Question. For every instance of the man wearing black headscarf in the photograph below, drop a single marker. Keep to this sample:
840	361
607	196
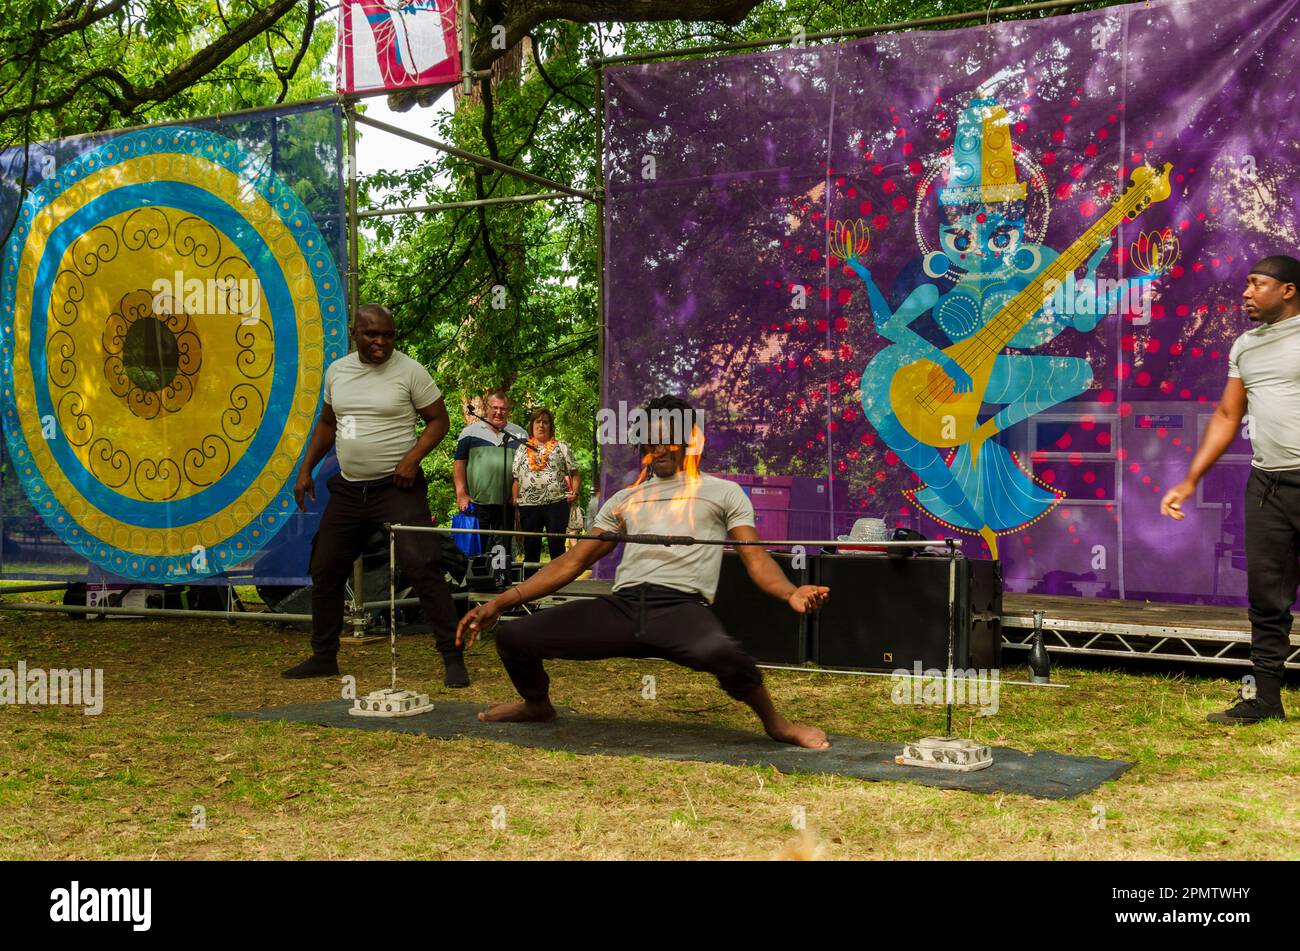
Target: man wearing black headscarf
1264	380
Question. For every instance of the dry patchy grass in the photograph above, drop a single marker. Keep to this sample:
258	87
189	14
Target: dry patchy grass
124	784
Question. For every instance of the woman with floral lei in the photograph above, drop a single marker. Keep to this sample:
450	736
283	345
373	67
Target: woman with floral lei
545	485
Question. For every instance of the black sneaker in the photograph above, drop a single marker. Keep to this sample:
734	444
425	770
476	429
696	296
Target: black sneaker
1249	711
313	667
455	673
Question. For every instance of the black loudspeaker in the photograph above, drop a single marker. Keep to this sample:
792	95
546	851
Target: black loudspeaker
889	613
482	577
770	631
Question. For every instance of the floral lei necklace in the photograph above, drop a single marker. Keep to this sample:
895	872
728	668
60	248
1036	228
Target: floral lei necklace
537	461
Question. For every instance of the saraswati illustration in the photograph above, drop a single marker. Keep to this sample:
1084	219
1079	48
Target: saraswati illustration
988	284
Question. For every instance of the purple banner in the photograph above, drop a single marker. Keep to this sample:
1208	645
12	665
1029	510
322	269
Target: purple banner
979	282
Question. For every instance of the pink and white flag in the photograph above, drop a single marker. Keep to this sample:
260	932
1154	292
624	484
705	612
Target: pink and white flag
397	44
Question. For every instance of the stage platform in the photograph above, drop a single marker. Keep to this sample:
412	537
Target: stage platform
1108	627
1095	627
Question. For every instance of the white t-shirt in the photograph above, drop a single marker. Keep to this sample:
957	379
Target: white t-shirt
702	508
376	407
1267	361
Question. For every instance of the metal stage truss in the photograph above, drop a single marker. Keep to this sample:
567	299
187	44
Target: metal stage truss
1105	627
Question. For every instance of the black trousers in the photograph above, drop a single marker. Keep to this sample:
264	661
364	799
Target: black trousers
354	511
1272	572
646	621
552	518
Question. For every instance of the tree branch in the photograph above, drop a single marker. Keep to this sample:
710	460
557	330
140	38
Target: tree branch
519	17
130	97
302	50
541	71
63	24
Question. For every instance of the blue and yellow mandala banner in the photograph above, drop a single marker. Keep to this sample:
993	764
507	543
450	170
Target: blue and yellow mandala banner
168	307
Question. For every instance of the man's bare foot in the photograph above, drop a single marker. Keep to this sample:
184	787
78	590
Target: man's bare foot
524	712
781	729
798	734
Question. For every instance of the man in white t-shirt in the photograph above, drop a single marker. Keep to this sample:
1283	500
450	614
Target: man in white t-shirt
373	399
659	607
1264	379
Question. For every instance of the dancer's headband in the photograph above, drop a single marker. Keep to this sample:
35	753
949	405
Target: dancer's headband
1280	267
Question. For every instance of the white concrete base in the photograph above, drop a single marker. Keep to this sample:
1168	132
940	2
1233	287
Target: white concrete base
943	752
391	703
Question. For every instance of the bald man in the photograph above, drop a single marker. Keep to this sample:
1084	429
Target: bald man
373	399
1264	380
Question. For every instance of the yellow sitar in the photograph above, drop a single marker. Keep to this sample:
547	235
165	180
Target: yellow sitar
923	395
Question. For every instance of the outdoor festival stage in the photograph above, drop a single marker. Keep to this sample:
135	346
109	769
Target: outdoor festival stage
1095	627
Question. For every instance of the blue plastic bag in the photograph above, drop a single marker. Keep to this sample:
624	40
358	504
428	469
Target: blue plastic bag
471	545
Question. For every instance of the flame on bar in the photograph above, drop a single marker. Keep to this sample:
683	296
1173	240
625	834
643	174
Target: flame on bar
681	505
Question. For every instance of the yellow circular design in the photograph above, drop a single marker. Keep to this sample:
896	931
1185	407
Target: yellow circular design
234	191
152	363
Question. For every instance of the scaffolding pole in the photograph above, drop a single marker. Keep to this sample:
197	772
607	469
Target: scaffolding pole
466	63
897	26
476	159
475	203
600	269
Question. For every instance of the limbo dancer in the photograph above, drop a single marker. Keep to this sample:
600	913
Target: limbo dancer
659	606
1264	379
373	399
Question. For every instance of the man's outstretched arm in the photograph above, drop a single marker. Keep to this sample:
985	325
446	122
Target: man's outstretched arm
554	576
767	574
1220	432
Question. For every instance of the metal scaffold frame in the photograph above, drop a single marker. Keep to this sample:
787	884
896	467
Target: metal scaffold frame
1130	640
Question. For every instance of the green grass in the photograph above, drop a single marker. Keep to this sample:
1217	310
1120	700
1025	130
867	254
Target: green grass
126	784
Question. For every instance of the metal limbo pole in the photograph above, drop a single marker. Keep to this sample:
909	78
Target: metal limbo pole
392	602
952	634
947	752
391	702
357	615
619	538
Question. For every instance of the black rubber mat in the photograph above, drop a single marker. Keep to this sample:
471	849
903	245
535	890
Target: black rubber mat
1045	775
